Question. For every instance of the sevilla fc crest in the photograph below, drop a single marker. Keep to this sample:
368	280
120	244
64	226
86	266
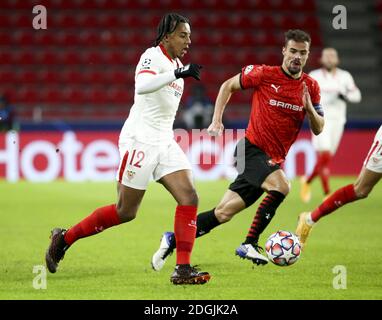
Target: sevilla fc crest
130	174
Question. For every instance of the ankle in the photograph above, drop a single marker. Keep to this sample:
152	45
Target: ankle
309	220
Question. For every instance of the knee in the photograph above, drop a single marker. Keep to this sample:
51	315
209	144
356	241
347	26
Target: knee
361	192
281	185
223	214
284	188
126	214
190	198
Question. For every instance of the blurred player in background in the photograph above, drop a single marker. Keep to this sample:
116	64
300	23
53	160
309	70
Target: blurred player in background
337	88
7	115
148	149
198	110
369	176
282	96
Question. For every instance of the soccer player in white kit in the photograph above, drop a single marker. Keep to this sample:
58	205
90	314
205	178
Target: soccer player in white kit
369	176
337	88
148	150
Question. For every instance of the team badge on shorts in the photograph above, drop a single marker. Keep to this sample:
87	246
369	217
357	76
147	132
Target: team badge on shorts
130	174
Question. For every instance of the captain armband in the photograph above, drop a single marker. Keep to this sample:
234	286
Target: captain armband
319	109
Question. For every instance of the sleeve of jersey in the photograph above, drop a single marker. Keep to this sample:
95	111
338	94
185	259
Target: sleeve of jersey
148	77
316	99
353	94
251	76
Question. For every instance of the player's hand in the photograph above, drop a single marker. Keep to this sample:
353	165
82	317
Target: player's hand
215	129
307	102
190	70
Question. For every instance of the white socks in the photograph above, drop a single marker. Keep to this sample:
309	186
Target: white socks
309	220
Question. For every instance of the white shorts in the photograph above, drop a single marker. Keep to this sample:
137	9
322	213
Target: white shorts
140	162
329	138
373	161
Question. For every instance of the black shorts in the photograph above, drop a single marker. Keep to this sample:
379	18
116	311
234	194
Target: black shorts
254	166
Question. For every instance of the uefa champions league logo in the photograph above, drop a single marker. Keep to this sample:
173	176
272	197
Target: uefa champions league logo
248	69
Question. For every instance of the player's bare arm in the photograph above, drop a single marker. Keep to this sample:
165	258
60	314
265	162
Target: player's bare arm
316	122
226	89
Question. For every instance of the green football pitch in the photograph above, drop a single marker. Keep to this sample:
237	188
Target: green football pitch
343	259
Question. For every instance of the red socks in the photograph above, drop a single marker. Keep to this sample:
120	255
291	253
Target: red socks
336	200
322	169
106	217
185	231
99	220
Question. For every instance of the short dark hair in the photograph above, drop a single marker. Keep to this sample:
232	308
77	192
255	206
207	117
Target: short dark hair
297	35
168	24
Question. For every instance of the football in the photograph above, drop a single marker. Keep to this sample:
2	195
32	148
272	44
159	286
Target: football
283	248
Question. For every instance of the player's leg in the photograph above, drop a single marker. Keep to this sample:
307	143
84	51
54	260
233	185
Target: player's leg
323	158
99	220
369	176
181	187
324	171
366	182
261	173
174	172
322	144
231	204
239	196
352	192
277	187
131	189
335	132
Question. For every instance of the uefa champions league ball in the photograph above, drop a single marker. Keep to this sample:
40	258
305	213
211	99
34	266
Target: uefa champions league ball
283	248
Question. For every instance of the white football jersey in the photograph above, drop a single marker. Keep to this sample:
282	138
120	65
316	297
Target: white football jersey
331	85
152	115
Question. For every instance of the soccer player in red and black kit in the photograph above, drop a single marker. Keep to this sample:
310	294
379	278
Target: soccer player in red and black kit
282	96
